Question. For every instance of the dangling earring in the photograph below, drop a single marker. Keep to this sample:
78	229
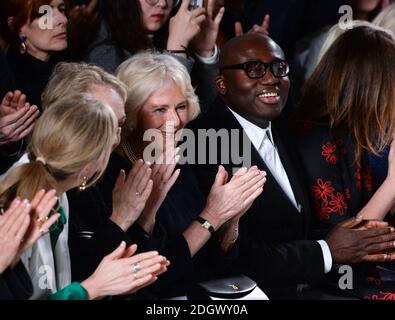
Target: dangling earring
84	182
23	47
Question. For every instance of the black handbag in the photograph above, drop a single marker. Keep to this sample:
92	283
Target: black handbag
227	288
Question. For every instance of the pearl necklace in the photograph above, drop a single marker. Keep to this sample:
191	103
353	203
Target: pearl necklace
127	149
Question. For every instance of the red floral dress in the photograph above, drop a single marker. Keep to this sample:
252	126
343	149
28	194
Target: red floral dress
339	189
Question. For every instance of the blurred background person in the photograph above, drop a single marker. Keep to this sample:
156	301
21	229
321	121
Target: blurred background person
308	49
127	27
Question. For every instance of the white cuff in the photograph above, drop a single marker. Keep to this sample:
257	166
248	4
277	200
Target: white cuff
326	252
210	60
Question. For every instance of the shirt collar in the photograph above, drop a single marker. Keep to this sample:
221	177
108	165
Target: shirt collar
254	133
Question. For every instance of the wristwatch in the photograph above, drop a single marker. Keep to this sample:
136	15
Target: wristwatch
206	224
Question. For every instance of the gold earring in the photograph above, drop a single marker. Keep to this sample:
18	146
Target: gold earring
84	182
23	47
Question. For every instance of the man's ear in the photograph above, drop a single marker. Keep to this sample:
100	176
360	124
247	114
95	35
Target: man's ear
220	84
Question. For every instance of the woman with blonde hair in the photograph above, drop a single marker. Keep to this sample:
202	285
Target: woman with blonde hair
177	219
70	147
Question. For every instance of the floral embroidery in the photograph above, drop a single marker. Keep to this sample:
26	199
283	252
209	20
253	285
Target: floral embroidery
347	193
338	203
323	190
323	211
326	201
329	152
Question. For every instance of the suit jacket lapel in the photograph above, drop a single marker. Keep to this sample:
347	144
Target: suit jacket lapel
293	177
225	119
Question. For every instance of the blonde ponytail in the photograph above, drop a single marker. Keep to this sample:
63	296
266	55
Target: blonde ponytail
74	132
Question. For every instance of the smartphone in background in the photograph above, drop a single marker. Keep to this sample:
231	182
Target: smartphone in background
193	4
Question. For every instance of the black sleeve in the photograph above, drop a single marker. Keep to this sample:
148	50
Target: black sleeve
89	247
265	261
281	263
7	81
15	284
203	77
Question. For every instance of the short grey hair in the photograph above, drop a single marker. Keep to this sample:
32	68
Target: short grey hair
70	78
147	72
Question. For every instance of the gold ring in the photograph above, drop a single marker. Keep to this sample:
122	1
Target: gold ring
41	220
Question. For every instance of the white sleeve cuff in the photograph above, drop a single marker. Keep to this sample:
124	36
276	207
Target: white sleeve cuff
210	60
326	252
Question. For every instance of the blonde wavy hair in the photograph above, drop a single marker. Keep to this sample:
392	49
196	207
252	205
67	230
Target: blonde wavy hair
70	78
74	132
147	72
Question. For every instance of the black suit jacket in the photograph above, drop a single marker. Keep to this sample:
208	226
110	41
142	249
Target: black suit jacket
274	249
15	284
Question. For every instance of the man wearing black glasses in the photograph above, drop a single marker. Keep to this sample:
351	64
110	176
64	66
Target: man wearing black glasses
272	236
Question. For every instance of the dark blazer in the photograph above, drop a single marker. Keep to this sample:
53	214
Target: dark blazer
31	75
15	284
7	83
274	249
92	235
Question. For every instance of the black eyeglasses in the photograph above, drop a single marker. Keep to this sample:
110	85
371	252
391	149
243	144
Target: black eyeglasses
257	69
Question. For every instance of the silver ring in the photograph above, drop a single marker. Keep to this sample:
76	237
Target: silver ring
138	194
136	268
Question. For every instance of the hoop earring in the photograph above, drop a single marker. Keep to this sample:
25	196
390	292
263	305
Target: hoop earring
84	182
23	47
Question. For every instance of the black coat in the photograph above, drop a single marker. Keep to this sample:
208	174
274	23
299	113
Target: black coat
274	246
7	83
92	235
31	75
15	284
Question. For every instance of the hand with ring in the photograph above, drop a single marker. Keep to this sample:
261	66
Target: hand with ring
13	226
130	194
20	226
122	272
41	207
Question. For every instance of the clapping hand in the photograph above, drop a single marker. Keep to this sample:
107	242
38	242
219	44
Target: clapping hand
17	117
130	194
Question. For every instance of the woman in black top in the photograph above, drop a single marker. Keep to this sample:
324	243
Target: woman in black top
347	117
36	39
